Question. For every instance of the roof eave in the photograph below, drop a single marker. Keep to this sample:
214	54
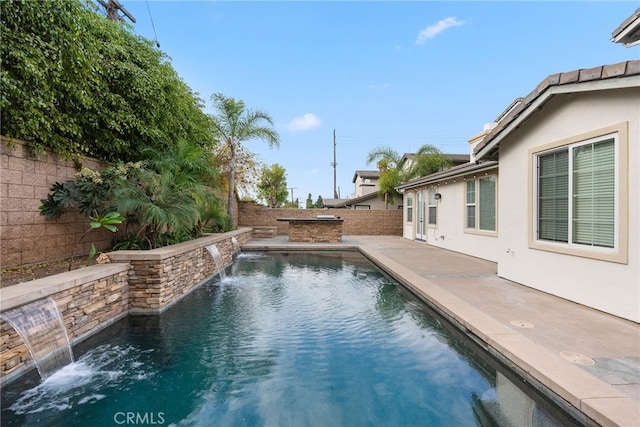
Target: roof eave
440	176
619	83
629	31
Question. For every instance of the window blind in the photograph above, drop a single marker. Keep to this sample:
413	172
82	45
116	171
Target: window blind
553	196
487	206
593	198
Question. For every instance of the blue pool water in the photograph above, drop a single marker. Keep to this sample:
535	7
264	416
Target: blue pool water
295	339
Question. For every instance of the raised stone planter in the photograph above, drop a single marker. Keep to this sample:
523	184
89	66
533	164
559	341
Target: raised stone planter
160	277
134	282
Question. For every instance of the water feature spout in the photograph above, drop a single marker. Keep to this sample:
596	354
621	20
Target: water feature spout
217	258
40	326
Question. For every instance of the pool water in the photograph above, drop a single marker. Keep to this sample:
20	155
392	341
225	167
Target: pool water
286	339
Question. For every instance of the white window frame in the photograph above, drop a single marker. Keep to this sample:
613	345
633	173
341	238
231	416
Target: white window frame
476	229
432	206
619	252
470	204
409	212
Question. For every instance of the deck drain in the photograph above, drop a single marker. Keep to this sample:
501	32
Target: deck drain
577	358
522	324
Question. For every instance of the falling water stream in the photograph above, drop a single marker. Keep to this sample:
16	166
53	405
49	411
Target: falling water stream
236	245
40	326
217	258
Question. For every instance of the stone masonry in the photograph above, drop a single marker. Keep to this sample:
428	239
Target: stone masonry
315	231
160	277
356	222
85	309
134	282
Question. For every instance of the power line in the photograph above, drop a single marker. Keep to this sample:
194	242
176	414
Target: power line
153	26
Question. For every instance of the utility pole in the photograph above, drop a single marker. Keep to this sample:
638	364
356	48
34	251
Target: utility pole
292	188
112	7
334	164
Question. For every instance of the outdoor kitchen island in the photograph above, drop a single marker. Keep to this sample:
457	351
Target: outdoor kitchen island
323	228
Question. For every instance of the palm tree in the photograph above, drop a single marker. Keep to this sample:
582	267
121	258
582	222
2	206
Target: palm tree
233	125
394	171
171	196
389	163
427	160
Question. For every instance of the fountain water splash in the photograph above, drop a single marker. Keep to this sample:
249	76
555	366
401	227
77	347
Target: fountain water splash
217	258
40	326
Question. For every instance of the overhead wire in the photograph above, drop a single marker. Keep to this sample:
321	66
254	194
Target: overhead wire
153	26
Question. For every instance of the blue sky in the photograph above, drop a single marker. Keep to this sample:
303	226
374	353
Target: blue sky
394	74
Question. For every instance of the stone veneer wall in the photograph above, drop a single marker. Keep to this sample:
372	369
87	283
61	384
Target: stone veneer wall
27	236
356	222
91	298
315	231
159	277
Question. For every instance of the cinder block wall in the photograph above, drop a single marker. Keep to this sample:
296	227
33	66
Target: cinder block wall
356	222
26	236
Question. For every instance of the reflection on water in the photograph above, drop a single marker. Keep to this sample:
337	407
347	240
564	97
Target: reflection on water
294	339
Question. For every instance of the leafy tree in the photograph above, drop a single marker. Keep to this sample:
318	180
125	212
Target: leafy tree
394	171
272	185
319	203
81	84
309	203
247	169
292	204
233	124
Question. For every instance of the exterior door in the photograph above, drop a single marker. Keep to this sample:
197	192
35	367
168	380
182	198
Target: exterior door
421	217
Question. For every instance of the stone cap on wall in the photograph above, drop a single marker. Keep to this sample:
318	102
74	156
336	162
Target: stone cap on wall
173	250
24	293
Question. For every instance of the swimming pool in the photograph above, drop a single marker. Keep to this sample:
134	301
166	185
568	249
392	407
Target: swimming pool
286	339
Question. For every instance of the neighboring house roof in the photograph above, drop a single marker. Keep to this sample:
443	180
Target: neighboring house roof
344	203
454	172
456	159
358	200
366	174
334	203
620	75
628	33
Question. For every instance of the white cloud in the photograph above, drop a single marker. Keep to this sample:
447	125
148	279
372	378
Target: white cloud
380	86
433	30
305	122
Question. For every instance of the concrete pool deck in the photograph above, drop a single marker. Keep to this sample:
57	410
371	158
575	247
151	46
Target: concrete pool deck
586	357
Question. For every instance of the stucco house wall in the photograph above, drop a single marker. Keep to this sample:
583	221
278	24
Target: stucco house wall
450	232
610	286
365	182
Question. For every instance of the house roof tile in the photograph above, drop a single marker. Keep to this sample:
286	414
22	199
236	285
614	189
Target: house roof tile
628	32
520	105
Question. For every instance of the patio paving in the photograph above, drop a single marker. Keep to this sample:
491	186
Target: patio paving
589	358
